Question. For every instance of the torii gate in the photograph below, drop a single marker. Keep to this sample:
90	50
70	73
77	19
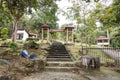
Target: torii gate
67	30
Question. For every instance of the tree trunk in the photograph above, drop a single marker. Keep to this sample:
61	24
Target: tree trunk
14	34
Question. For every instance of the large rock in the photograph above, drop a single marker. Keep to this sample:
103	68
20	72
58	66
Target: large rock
37	65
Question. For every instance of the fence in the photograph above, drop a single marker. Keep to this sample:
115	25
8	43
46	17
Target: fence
107	55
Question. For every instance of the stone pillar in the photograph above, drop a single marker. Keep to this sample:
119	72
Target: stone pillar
48	31
42	35
67	35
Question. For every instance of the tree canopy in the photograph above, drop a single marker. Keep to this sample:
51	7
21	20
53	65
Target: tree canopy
16	9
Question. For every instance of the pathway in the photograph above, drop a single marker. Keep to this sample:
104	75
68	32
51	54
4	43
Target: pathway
55	76
59	59
56	69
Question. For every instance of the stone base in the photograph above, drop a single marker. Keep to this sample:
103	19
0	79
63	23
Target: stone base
90	62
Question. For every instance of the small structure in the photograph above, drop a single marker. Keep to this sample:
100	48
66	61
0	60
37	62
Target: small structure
45	29
69	29
32	35
103	41
90	62
23	34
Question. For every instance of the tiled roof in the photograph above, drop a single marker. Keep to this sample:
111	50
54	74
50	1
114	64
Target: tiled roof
102	37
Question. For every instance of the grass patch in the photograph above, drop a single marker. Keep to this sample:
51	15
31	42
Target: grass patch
76	51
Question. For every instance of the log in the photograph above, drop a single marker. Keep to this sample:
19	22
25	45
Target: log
90	62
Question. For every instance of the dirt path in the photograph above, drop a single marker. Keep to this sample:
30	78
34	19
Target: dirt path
103	74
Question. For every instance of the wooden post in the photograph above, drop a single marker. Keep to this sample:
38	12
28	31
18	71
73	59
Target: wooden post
48	35
42	35
67	36
72	37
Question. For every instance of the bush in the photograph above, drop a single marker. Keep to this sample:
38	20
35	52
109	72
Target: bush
13	46
32	39
4	33
5	44
31	45
115	42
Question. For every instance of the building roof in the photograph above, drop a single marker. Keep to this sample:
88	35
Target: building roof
69	27
23	30
102	38
32	34
45	26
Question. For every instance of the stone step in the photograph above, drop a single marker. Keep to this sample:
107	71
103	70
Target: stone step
60	64
58	54
61	51
55	56
62	69
59	59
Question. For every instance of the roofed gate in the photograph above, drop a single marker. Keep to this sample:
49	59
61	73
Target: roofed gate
67	30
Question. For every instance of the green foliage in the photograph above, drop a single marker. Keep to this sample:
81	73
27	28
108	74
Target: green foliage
4	33
108	15
5	18
13	46
115	42
45	15
110	18
5	43
16	9
31	45
24	22
32	39
115	38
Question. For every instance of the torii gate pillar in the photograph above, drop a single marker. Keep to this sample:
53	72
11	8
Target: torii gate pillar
67	30
45	28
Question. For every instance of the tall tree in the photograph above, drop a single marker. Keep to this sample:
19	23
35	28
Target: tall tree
46	14
86	25
17	8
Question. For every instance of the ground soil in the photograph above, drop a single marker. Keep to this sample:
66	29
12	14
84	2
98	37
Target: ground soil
19	66
104	73
19	69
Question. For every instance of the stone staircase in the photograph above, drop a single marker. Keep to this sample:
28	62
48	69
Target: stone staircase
59	59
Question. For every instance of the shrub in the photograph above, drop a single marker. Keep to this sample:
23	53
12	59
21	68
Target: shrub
4	33
5	43
32	39
13	46
31	45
